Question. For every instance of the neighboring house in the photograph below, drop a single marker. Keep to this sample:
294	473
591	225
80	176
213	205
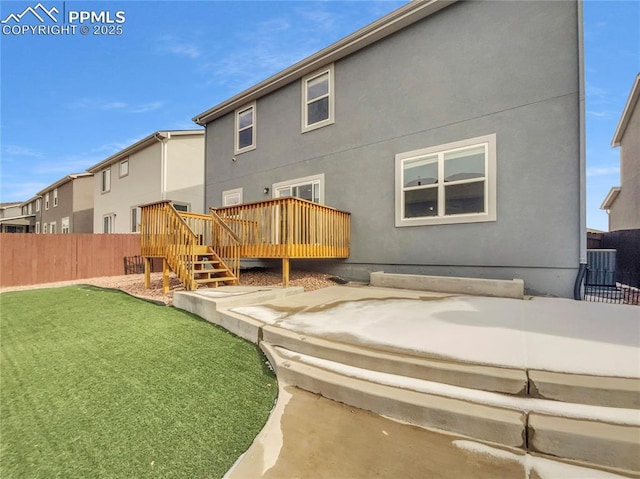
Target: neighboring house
66	206
451	131
14	218
623	202
164	165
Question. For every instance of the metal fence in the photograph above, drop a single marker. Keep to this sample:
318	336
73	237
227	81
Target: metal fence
605	286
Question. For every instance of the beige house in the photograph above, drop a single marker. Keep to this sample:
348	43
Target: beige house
14	218
65	206
166	165
623	202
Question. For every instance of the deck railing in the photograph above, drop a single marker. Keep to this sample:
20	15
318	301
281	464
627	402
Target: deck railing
288	228
165	234
225	243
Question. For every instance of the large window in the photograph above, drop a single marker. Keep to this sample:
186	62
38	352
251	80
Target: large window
318	99
452	183
245	129
309	188
106	180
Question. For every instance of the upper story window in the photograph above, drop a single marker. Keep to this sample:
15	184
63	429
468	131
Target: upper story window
37	205
46	201
30	208
452	183
124	167
245	136
318	99
55	197
106	180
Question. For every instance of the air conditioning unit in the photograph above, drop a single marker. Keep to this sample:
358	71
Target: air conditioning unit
601	267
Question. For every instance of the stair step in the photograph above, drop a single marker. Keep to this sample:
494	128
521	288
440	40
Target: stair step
217	279
209	270
207	261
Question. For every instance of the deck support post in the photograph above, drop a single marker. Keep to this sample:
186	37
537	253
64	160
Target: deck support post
285	272
147	272
165	276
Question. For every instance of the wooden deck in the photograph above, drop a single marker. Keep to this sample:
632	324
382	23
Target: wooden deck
206	249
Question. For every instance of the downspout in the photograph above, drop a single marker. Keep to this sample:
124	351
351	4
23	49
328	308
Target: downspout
162	138
583	164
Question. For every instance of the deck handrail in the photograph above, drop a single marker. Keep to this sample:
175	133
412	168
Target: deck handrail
288	227
166	234
225	243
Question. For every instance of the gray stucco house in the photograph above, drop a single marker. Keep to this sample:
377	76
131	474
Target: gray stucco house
452	131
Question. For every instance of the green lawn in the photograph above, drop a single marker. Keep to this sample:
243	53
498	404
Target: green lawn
95	383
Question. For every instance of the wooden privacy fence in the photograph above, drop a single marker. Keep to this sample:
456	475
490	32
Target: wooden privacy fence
27	259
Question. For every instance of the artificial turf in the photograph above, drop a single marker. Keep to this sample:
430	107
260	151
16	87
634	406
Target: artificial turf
95	383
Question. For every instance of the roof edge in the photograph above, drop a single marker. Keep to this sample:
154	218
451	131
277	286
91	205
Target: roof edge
141	144
610	198
60	182
398	19
626	112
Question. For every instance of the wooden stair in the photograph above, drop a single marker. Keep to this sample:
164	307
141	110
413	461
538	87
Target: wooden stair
209	270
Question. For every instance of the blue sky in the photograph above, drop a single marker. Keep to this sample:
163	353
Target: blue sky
70	101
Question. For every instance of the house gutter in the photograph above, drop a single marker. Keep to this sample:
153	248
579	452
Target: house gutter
582	224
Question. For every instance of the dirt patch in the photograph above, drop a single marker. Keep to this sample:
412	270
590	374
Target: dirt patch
134	283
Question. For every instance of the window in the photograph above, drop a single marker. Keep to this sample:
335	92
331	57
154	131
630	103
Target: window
181	207
52	228
44	228
135	219
64	225
317	100
124	167
46	201
245	129
452	183
37	205
107	223
30	208
37	227
55	197
106	180
232	197
309	188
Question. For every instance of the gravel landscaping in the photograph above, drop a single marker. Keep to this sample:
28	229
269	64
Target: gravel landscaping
134	283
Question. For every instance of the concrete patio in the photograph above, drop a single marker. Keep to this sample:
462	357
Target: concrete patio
529	384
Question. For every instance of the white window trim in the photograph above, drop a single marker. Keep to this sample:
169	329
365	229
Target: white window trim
236	145
138	215
230	193
181	203
123	162
331	95
298	182
37	205
37	227
44	228
65	223
55	197
490	184
46	201
112	223
102	182
53	228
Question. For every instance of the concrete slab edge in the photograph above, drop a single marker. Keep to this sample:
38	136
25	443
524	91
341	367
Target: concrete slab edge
487	378
449	284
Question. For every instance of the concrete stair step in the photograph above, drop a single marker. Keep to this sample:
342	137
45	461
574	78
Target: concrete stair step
606	441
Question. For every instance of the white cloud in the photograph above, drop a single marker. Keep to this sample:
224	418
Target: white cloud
146	107
117	105
17	150
175	46
20	191
603	171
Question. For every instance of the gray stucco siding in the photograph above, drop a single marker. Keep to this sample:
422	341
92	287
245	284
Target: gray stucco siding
472	69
